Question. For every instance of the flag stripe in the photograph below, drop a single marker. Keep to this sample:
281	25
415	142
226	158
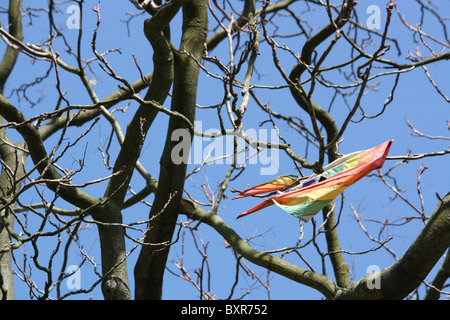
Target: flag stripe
274	185
300	211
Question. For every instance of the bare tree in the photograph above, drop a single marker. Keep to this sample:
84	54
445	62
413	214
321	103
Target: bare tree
234	59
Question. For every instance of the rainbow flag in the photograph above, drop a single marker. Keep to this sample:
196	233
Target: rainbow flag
306	198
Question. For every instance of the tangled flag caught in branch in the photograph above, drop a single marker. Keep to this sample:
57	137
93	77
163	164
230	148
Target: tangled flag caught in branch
307	196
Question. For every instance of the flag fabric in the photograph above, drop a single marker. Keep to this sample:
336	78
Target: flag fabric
307	198
274	185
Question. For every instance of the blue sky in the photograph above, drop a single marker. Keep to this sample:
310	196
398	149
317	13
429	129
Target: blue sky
415	100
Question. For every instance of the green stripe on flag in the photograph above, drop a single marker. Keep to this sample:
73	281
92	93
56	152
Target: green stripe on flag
305	210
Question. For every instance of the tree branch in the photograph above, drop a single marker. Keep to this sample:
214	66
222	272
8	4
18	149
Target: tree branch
398	280
151	263
40	158
314	280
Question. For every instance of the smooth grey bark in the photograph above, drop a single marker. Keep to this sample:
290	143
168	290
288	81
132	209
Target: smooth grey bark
112	238
439	280
320	282
398	280
8	187
8	154
152	260
16	30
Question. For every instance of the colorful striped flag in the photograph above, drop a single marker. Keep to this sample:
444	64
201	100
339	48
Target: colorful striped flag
306	199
